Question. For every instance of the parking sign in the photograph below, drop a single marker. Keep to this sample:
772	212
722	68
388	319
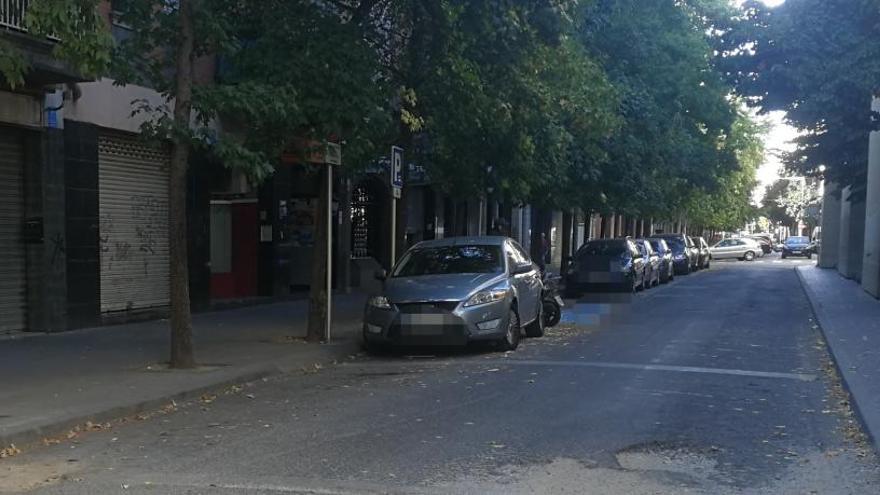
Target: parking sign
396	168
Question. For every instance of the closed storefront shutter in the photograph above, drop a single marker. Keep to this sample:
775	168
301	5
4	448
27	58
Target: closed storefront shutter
12	254
133	206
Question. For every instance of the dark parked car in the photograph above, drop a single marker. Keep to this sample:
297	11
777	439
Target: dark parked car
456	290
797	246
652	262
705	256
605	264
683	254
667	271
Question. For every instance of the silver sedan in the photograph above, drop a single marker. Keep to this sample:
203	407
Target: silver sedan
456	290
743	249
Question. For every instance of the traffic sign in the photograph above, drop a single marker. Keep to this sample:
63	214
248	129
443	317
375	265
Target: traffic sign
396	167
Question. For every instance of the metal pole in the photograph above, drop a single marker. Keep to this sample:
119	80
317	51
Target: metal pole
329	250
393	231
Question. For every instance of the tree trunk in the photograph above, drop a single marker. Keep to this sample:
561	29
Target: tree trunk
568	225
318	290
182	355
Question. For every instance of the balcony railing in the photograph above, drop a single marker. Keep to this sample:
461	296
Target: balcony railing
12	14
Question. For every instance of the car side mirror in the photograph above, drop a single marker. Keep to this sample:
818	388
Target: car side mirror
522	268
381	274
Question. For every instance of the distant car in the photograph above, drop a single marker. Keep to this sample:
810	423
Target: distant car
797	246
667	271
652	262
765	243
705	257
605	265
683	256
456	290
743	248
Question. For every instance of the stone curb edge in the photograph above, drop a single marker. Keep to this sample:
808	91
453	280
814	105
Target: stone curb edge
821	321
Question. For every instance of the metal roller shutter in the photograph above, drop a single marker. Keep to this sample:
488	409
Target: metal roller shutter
133	203
13	295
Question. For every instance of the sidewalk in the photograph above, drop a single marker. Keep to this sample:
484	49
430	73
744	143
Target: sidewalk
850	320
54	382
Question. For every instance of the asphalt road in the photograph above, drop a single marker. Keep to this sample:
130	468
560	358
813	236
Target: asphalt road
716	383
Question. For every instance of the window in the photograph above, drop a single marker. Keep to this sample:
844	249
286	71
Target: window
450	260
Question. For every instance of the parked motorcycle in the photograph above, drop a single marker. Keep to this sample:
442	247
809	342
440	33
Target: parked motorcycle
551	300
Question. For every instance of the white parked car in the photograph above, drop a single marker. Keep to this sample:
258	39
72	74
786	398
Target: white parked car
742	248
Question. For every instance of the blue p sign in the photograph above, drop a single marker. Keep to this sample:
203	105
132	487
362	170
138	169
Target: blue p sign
396	167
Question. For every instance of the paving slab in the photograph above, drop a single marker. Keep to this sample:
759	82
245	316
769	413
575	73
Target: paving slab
850	320
54	382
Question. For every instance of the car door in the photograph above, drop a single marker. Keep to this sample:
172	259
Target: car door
740	248
722	249
529	285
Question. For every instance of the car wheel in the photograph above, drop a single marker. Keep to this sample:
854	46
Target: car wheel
552	315
510	340
809	256
646	282
708	264
749	256
784	256
536	328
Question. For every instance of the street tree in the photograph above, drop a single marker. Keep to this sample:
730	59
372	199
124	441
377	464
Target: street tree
799	197
245	119
86	45
819	61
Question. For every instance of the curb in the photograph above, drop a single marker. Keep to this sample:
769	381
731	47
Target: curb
822	323
31	437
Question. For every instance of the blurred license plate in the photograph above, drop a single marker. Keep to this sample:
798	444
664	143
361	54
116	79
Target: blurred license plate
417	320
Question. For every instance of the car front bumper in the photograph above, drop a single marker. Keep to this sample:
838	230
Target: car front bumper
435	323
796	252
597	281
681	265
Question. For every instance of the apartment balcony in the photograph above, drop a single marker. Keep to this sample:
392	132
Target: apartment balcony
44	68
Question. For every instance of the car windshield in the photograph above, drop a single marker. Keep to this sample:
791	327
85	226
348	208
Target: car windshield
602	248
655	243
451	259
797	240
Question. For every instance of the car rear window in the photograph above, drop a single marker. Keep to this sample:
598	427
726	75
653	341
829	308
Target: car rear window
797	240
674	242
602	248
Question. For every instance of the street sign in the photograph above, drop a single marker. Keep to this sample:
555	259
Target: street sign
333	154
396	167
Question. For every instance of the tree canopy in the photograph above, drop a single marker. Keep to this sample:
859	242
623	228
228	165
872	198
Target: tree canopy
819	61
608	105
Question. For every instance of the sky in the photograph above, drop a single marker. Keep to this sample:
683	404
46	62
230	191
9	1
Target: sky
778	139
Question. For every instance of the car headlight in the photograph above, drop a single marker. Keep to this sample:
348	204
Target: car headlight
486	297
380	302
679	256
